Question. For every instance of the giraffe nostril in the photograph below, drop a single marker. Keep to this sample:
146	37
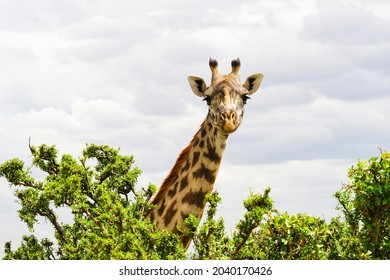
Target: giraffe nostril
228	116
233	116
224	116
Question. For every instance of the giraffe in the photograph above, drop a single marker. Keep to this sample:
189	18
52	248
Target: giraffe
193	175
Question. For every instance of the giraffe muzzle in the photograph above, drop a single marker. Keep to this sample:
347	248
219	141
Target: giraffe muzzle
229	119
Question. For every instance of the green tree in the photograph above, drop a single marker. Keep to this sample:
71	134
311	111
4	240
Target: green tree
109	212
210	238
362	232
99	191
365	203
290	237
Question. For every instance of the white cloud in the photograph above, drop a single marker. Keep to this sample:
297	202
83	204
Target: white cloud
370	58
26	16
346	23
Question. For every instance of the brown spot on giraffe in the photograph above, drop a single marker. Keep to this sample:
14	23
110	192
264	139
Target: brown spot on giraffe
196	142
204	173
211	153
170	213
195	158
173	191
193	175
186	167
161	209
203	133
183	183
196	198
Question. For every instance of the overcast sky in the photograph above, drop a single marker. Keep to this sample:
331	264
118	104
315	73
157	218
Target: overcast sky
115	72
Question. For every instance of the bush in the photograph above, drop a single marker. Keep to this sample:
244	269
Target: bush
109	213
365	203
99	190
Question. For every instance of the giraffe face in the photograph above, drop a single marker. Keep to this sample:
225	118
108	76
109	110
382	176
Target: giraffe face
226	96
226	101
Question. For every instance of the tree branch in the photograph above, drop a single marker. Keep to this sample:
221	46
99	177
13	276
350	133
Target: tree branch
94	220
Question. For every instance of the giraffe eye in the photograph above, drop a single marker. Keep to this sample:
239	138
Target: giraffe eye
207	99
245	98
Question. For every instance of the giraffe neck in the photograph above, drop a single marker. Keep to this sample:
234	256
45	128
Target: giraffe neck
191	178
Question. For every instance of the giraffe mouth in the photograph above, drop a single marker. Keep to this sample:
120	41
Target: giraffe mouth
229	127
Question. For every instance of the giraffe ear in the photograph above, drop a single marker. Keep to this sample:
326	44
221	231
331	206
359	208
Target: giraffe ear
253	82
198	85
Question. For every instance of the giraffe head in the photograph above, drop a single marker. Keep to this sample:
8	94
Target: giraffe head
225	96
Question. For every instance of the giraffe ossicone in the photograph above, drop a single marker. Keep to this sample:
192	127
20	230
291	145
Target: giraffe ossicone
195	170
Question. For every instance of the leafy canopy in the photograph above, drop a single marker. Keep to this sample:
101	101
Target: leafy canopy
107	210
108	215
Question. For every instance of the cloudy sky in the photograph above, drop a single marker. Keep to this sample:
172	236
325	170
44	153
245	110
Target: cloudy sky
114	72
